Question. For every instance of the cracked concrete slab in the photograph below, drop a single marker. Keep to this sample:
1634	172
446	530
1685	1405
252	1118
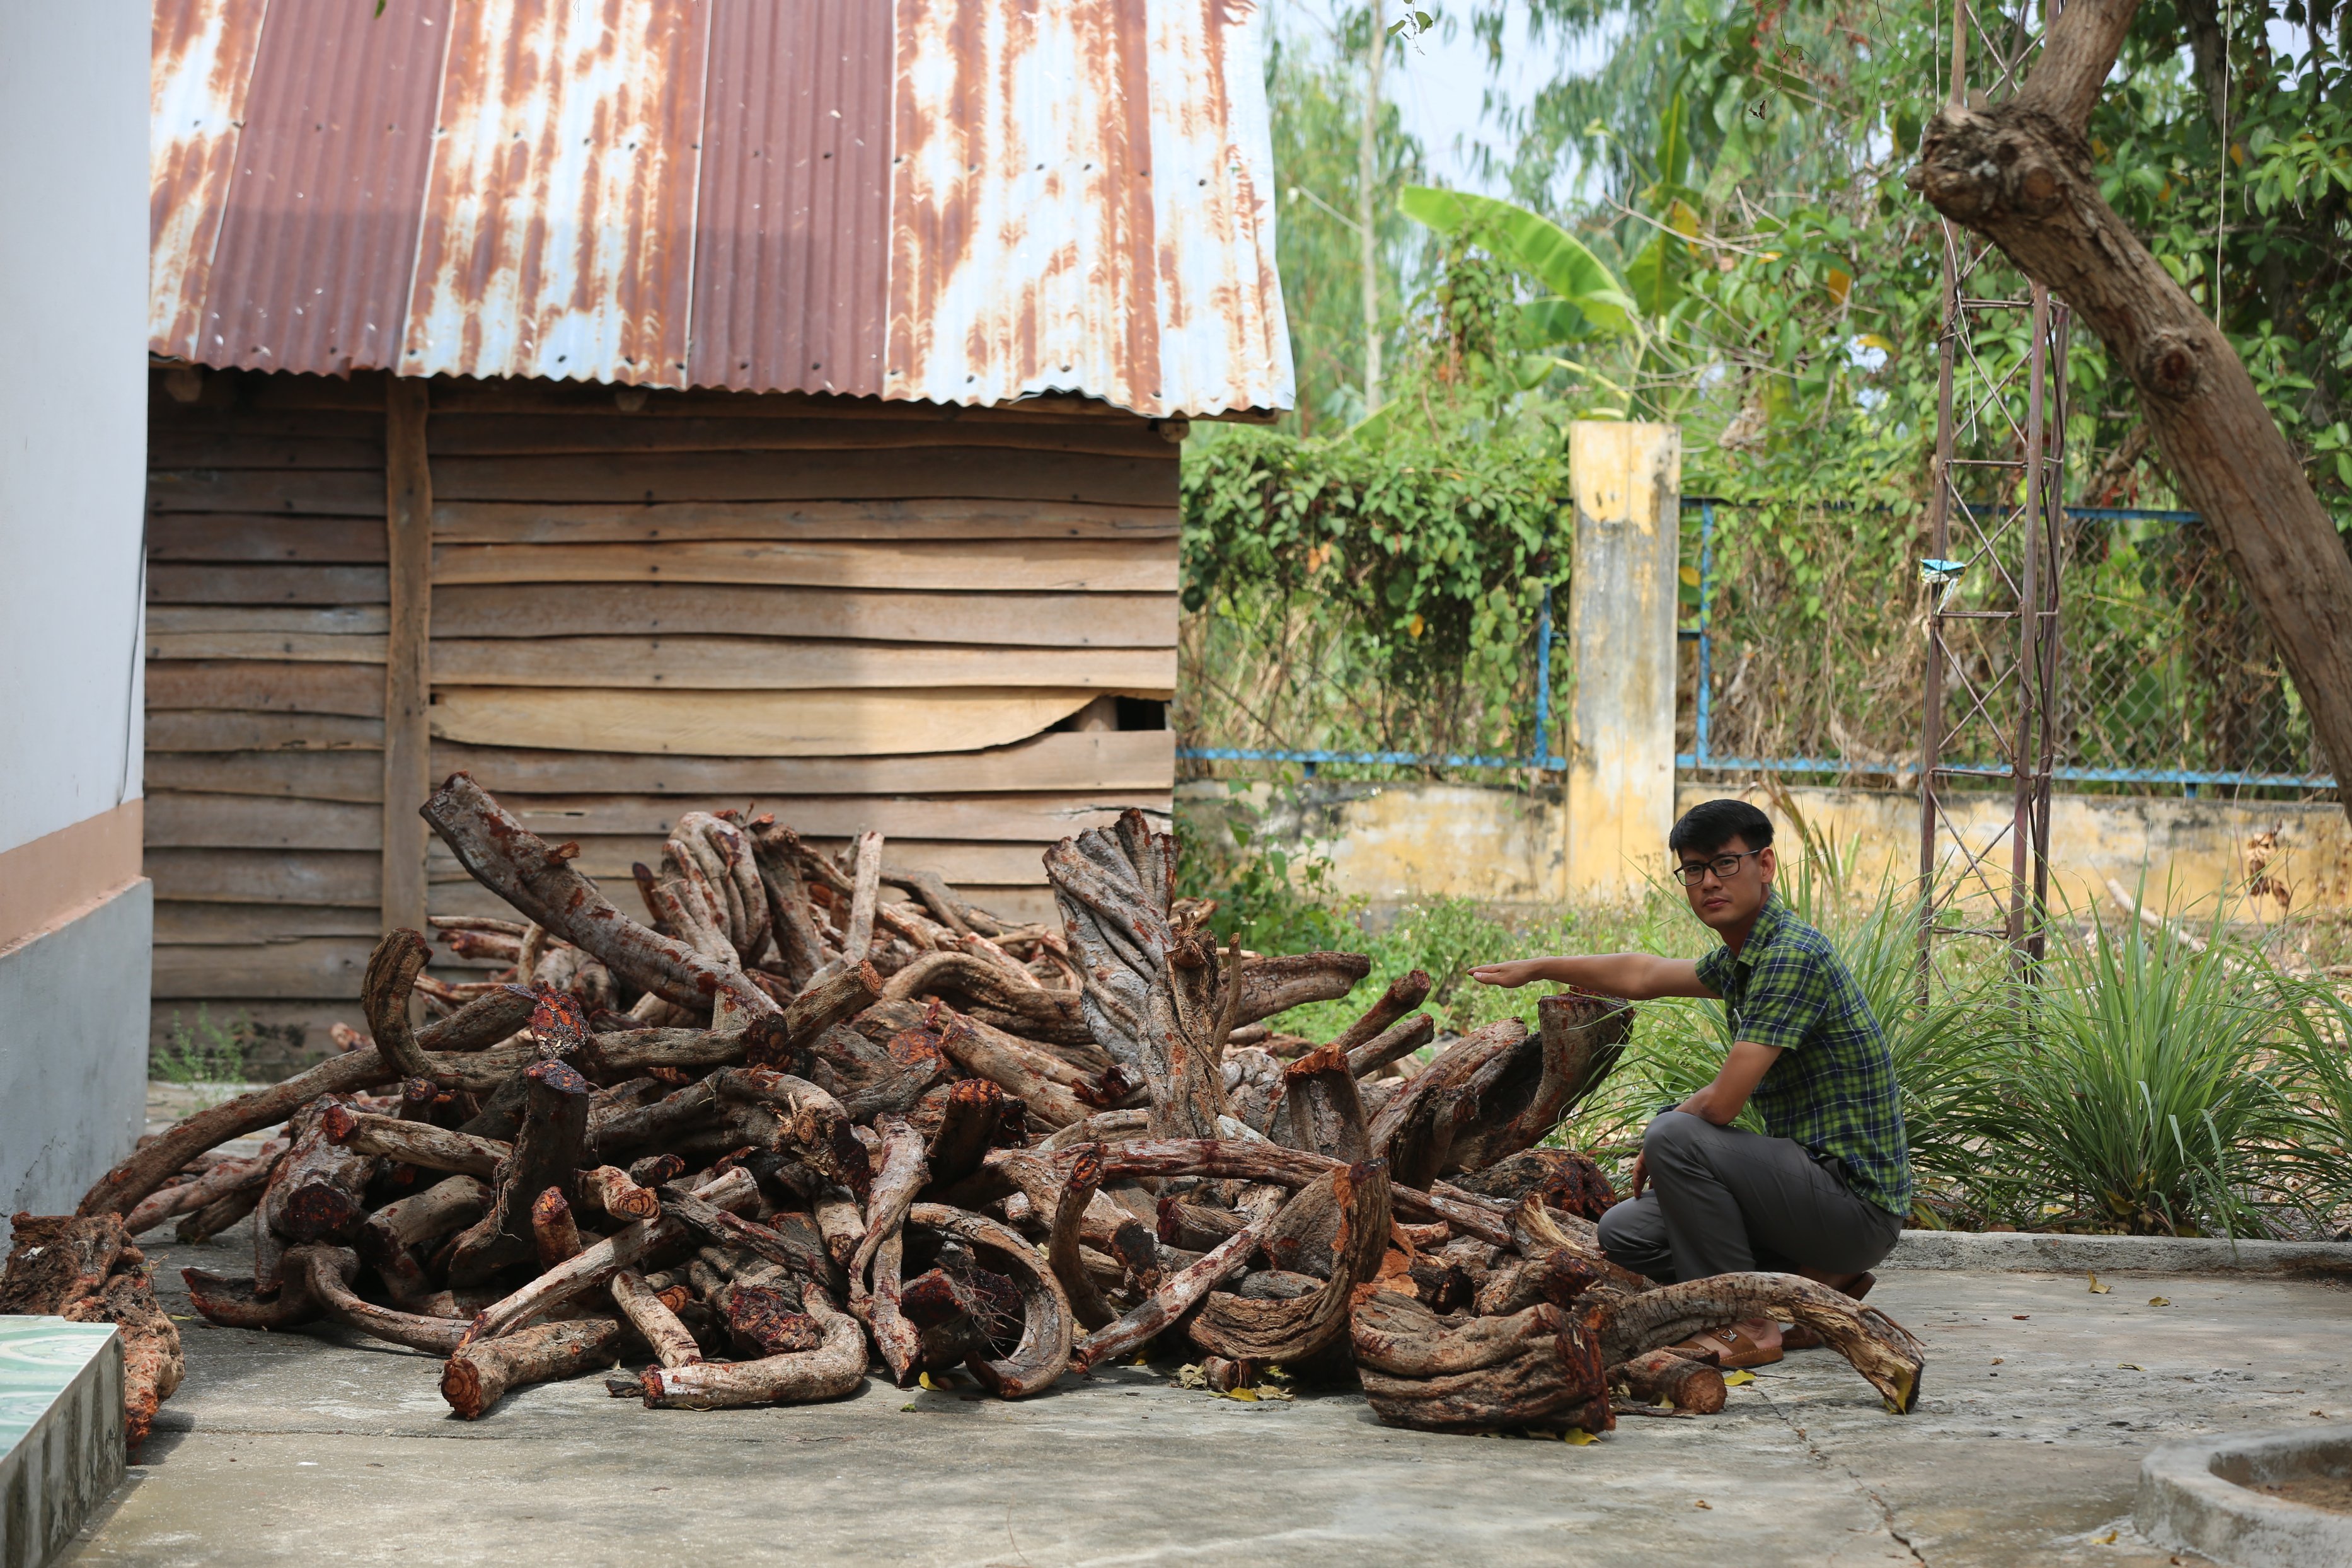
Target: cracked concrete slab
321	1446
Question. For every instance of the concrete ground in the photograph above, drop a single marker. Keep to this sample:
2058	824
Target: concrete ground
320	1446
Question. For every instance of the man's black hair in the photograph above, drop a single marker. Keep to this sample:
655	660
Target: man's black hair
1712	824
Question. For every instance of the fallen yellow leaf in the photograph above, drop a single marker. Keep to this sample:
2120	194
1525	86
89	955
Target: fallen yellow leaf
2098	1289
1579	1437
1249	1395
2129	1366
2106	1540
2159	1301
1702	1502
1738	1379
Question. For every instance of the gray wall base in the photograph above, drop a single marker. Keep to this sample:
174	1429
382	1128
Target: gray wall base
73	1052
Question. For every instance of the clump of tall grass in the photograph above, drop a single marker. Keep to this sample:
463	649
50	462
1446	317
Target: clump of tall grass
2148	1081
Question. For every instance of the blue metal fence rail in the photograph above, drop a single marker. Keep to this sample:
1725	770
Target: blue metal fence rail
1701	756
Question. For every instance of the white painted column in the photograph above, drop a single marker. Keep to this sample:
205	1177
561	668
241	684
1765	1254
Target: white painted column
1621	731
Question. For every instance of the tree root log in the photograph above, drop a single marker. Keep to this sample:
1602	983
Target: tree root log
1481	1375
1878	1346
1665	1376
836	1368
481	1374
1044	1351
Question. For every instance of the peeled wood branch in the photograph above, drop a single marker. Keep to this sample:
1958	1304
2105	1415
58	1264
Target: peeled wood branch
1240	1329
386	1235
1399	1040
392	972
715	1225
328	1273
1176	1296
903	1174
655	1322
417	1143
224	1179
1405	993
1085	1298
517	864
593	1268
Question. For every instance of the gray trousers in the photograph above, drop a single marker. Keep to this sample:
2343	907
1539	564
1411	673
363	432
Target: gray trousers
1722	1201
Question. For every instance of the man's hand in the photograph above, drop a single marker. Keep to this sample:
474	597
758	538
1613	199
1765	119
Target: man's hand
1641	1175
1510	974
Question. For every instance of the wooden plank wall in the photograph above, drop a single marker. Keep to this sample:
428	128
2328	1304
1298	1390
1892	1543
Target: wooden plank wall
854	615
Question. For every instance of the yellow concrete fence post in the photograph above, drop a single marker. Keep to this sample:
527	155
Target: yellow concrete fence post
1620	628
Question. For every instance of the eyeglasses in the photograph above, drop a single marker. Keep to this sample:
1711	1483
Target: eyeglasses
1724	867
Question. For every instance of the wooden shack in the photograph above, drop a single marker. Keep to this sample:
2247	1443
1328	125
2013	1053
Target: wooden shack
931	591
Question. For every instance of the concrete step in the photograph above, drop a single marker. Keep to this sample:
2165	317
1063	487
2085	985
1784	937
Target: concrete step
60	1432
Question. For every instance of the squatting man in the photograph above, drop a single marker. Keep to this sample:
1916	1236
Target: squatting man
1823	1190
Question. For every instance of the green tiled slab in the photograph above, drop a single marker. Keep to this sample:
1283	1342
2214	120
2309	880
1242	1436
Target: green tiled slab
60	1431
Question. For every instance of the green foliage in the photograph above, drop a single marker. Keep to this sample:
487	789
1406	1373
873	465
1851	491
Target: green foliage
1368	594
1586	297
2138	1085
206	1053
1274	900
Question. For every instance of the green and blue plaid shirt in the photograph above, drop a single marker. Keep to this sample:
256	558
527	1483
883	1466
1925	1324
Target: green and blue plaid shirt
1833	1087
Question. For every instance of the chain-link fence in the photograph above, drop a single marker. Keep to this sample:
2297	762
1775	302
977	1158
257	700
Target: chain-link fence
1802	655
2167	678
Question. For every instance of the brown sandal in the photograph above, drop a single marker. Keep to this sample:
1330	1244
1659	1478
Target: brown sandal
1804	1336
1728	1349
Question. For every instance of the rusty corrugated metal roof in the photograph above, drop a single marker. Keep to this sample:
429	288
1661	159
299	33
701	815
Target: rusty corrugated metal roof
958	201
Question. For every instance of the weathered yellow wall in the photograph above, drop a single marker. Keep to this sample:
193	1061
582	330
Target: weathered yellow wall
1394	843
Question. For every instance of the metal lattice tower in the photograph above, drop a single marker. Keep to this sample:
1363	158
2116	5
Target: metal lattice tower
1993	566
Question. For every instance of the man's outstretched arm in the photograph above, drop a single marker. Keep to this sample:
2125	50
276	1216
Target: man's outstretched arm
1722	1100
1636	976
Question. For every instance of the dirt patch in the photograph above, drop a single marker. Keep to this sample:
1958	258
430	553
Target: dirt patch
2333	1493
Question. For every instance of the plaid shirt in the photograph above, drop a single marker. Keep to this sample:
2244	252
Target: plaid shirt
1833	1087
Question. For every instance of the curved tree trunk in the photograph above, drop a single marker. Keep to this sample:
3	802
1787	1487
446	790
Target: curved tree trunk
2021	175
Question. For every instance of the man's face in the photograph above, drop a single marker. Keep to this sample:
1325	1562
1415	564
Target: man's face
1722	897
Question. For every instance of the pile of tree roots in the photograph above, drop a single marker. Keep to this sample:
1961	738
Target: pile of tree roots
814	1118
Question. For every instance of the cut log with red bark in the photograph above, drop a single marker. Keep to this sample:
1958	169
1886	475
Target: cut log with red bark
483	1372
1667	1376
86	1269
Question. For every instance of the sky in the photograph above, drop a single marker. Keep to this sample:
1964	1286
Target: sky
1439	81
